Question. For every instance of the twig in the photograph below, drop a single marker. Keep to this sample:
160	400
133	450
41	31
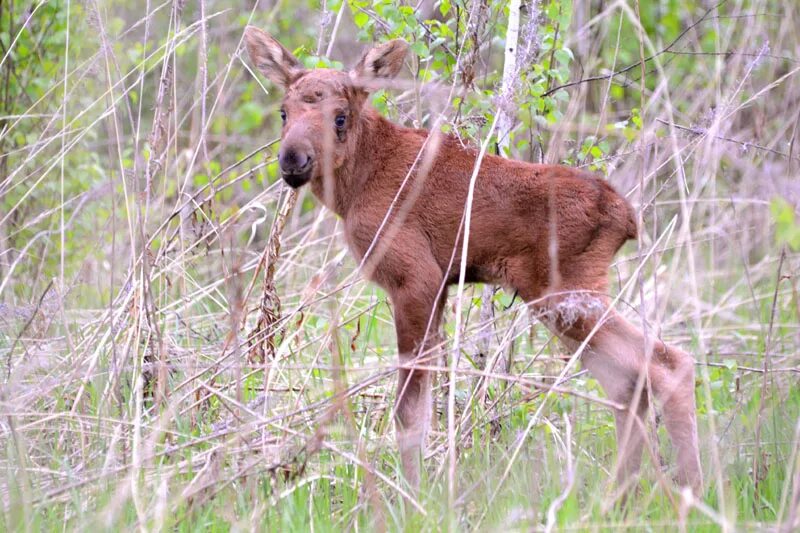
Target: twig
745	145
26	326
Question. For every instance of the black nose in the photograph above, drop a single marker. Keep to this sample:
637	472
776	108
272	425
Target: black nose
294	162
295	167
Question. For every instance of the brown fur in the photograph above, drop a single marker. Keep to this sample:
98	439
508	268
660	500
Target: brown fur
519	209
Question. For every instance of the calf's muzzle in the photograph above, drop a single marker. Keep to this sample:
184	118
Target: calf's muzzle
296	165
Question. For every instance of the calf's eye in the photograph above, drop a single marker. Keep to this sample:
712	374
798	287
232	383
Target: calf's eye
340	121
283	116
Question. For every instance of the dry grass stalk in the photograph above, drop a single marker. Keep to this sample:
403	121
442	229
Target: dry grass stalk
262	337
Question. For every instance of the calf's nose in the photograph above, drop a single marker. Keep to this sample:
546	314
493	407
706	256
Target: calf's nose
294	161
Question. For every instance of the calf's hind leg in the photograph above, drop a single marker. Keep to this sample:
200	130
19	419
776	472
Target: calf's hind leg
629	421
672	379
616	356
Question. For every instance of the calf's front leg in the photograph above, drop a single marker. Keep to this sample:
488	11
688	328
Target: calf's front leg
417	322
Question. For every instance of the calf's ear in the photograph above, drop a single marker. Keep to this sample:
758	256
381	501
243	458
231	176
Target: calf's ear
271	58
382	62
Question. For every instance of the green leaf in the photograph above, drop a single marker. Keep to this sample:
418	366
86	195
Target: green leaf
563	56
360	18
787	231
420	49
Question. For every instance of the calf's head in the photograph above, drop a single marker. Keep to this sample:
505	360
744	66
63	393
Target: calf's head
322	108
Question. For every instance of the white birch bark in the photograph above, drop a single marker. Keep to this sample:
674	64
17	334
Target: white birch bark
510	72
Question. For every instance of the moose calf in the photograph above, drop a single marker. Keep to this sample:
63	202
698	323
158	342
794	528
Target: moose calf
548	232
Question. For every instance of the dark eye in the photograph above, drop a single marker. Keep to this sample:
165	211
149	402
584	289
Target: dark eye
283	116
340	121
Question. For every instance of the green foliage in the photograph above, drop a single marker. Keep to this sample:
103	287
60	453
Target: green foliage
787	229
31	112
